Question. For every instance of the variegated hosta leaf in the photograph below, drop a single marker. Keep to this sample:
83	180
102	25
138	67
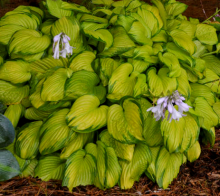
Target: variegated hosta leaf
53	86
34	114
91	148
194	152
108	168
124	21
122	82
213	63
14	113
91	18
131	171
189	28
83	61
50	167
207	117
86	115
69	26
208	136
29	58
167	166
54	132
151	132
139	65
15	71
103	2
184	87
80	170
122	43
28	139
84	83
102	35
107	67
75	142
216	108
74	7
29	170
160	84
54	8
125	122
175	8
46	26
206	34
141	87
160	37
28	42
180	135
122	151
199	90
172	62
183	41
12	94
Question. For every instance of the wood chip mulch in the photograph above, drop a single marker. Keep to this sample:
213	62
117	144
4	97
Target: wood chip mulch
201	177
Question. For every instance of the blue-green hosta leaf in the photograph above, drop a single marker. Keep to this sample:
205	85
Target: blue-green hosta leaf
184	87
141	87
14	113
183	41
200	90
121	43
180	53
50	167
122	82
70	26
125	122
102	35
53	87
12	94
122	151
108	168
172	62
9	166
213	63
28	140
7	132
131	171
83	61
176	8
194	152
54	132
7	31
207	117
15	71
151	132
86	116
208	136
28	42
160	84
167	167
55	9
206	34
29	170
184	138
75	142
80	170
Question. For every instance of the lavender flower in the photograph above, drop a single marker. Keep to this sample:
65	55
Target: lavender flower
67	50
167	103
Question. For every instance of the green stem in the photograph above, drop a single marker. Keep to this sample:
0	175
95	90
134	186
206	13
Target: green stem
217	11
209	53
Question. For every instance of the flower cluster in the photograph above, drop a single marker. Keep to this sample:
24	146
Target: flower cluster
167	103
63	40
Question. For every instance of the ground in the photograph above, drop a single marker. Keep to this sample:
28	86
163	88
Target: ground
199	178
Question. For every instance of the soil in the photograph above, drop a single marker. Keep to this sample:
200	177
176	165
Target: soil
201	177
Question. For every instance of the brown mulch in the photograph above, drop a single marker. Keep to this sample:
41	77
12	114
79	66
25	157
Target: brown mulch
201	177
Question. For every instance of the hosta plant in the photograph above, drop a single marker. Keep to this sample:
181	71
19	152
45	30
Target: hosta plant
106	94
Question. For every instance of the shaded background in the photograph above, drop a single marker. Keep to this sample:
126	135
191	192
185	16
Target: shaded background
194	10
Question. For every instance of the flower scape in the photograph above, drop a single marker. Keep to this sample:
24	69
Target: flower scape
102	96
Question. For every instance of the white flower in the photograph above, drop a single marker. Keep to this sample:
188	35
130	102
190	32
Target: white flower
167	103
66	49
